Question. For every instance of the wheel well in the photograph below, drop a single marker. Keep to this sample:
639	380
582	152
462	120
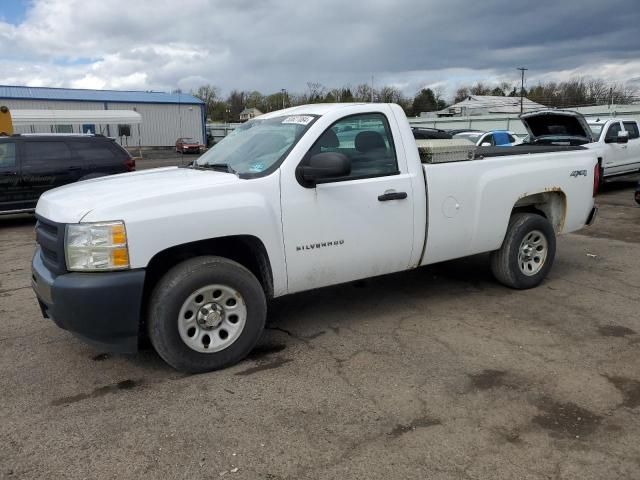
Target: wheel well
552	205
247	250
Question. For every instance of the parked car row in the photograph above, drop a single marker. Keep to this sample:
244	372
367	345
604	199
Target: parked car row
492	138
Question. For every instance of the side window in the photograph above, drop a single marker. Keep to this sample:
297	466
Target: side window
512	139
46	154
64	128
632	128
7	155
124	130
613	131
366	139
488	139
94	153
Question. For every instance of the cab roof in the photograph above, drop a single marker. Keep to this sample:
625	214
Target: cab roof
310	109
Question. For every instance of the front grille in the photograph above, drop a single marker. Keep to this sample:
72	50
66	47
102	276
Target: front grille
50	238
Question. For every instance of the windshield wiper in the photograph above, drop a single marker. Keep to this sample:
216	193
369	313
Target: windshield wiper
221	167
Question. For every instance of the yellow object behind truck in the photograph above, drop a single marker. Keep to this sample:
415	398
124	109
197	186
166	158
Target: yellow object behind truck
6	125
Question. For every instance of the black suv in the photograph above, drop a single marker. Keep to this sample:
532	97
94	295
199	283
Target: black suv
32	164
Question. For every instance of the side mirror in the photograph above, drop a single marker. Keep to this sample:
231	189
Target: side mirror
623	137
485	144
323	167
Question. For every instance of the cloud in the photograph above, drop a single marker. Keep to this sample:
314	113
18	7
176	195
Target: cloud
273	44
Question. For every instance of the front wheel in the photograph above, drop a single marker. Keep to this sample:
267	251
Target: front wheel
205	314
527	252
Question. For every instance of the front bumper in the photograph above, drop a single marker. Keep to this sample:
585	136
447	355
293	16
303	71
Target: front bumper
101	308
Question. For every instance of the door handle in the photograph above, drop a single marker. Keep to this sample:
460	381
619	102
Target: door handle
385	197
74	168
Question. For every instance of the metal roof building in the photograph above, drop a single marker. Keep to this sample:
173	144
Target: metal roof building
485	105
164	116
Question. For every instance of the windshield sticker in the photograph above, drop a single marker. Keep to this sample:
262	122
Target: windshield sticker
299	119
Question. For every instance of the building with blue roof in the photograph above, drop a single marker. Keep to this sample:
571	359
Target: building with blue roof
165	116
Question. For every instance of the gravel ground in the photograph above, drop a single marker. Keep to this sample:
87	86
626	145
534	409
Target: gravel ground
437	373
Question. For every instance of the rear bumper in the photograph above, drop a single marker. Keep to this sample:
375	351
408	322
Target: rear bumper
101	308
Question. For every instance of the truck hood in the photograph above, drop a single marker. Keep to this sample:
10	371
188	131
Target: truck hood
549	126
71	203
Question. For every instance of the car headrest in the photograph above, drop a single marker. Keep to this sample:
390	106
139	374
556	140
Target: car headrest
328	139
367	141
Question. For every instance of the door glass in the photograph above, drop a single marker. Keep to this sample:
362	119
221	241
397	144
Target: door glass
7	155
366	139
488	139
613	131
94	153
632	128
46	155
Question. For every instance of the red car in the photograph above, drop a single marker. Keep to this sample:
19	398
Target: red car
188	145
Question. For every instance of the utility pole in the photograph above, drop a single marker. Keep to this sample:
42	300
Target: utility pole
522	69
283	92
371	88
610	98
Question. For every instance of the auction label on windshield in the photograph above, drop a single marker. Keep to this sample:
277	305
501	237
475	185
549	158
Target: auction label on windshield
299	119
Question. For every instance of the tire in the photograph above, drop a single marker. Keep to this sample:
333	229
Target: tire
192	286
527	252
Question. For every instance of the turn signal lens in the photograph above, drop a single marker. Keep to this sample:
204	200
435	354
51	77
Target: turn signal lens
120	257
118	235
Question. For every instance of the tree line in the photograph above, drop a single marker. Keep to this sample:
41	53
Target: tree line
581	91
572	93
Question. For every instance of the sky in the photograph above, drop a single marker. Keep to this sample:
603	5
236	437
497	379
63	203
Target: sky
268	45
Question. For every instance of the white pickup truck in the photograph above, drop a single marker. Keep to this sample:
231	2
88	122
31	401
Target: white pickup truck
294	200
616	141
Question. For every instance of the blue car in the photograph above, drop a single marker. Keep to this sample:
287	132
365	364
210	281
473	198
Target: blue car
493	138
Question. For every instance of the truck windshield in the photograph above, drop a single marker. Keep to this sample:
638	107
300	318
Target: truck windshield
257	147
596	129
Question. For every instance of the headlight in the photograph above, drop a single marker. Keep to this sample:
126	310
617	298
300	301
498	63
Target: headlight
96	246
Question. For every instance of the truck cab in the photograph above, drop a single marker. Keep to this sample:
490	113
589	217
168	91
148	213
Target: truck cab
618	139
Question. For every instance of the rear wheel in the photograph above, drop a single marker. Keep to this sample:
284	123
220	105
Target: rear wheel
205	314
527	252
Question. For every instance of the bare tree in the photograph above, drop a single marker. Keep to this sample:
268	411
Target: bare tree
236	102
208	94
316	92
362	93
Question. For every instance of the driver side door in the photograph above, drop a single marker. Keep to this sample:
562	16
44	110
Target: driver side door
356	226
614	153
